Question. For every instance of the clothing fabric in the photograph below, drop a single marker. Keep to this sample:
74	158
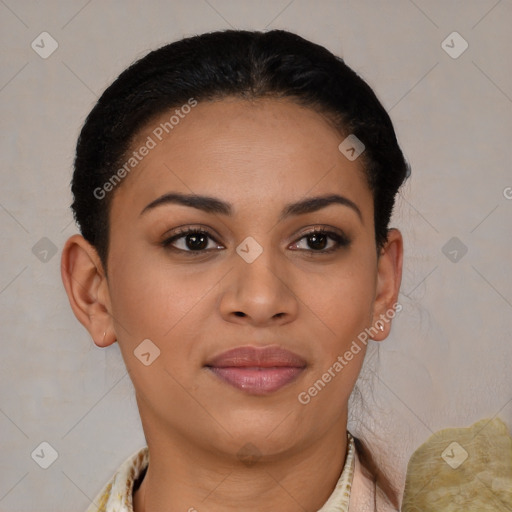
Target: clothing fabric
353	492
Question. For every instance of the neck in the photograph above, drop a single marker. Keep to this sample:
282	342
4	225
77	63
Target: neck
184	477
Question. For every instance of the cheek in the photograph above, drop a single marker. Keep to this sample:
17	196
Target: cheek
163	305
342	300
150	298
342	310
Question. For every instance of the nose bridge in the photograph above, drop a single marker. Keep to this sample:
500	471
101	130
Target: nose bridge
258	269
257	290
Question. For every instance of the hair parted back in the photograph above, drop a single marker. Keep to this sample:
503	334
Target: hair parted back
239	63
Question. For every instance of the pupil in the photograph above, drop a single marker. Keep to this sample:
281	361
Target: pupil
317	241
195	242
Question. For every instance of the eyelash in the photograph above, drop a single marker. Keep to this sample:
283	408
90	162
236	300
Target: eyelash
340	240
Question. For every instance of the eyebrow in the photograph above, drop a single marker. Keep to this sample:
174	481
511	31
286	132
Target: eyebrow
213	205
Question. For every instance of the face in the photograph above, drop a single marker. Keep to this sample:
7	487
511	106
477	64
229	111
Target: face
256	263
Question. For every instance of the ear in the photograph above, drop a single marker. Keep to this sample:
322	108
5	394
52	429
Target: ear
389	278
87	289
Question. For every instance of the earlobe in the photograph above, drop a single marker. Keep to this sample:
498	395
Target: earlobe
84	280
389	278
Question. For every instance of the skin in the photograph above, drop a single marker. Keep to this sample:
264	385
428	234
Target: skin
258	156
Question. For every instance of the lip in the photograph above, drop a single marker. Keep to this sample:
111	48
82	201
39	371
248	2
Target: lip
257	370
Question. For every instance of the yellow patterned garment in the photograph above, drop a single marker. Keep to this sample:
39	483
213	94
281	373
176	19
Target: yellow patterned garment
464	468
117	495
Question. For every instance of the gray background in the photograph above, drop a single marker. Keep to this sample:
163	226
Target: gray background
447	361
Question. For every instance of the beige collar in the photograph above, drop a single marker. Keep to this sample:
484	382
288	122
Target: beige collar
362	494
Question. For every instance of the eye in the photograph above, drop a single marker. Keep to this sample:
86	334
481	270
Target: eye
191	240
321	241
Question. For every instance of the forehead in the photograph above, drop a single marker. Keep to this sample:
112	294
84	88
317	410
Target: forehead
270	150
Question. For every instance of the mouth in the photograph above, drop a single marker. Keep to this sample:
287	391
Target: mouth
257	370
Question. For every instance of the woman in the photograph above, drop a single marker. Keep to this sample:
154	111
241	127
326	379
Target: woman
234	191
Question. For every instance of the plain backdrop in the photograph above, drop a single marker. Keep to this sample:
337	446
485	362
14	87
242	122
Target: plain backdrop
448	359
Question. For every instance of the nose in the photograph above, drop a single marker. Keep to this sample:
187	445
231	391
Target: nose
258	293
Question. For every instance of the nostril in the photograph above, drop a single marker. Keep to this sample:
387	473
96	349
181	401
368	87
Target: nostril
239	313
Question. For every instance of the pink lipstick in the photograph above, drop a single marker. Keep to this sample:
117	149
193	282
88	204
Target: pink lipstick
257	370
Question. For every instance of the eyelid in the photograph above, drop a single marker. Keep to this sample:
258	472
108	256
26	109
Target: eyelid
321	228
190	228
